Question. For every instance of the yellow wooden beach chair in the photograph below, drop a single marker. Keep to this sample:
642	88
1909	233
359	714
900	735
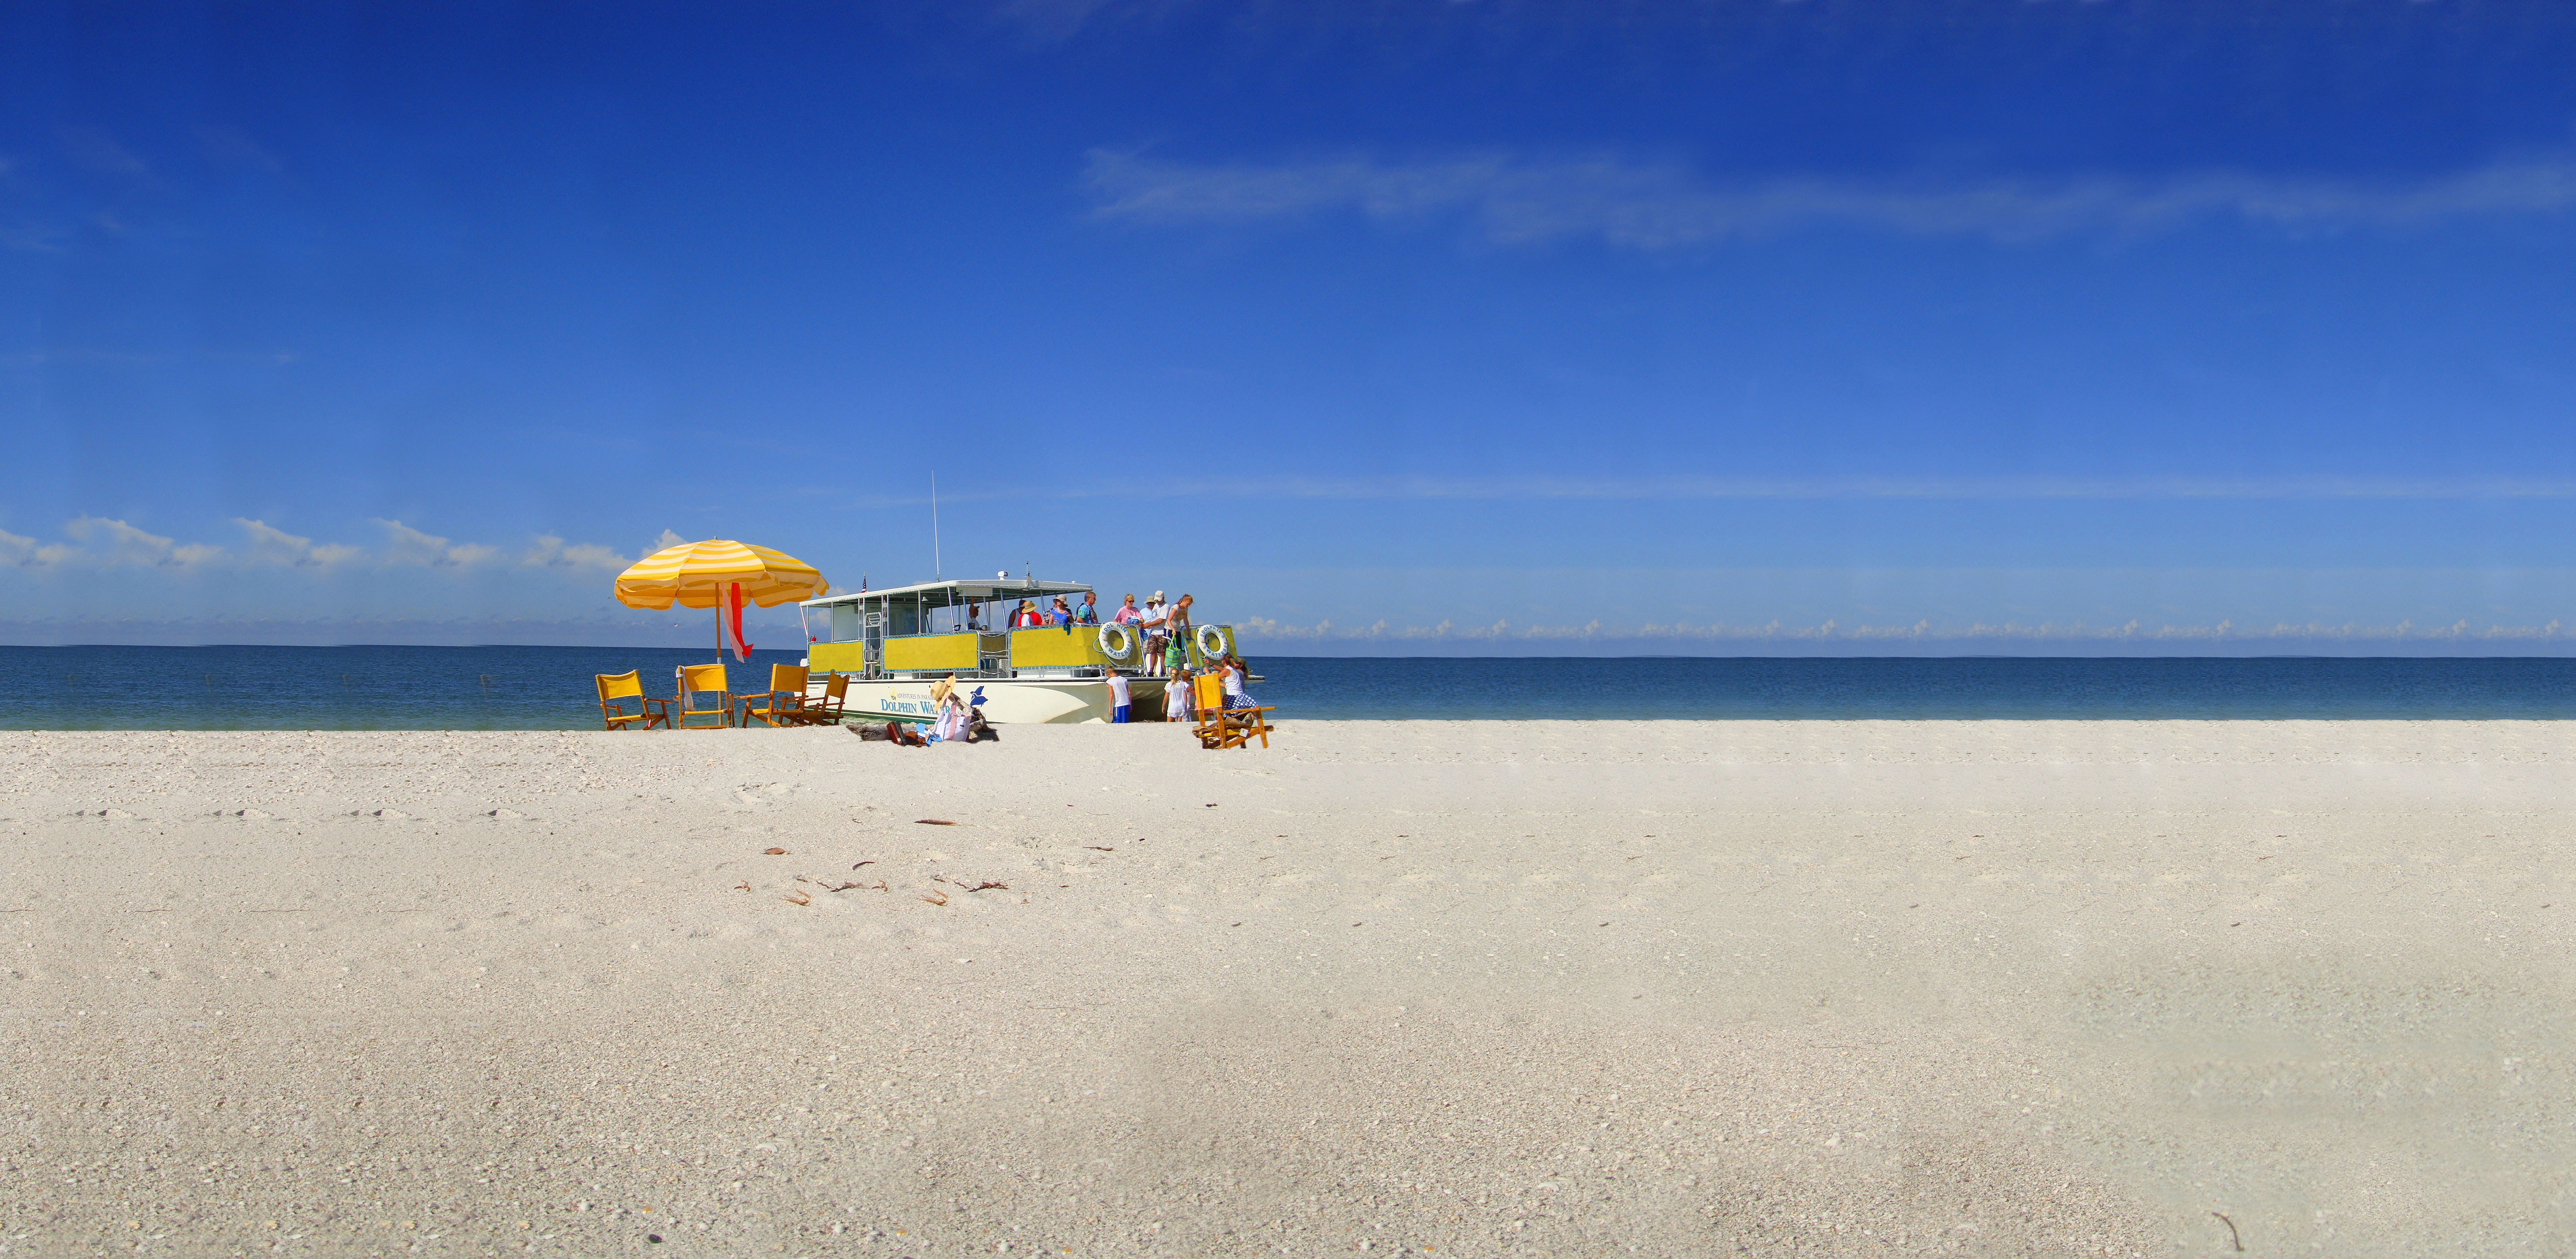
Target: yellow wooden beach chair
783	704
827	711
1207	701
617	688
1220	727
700	679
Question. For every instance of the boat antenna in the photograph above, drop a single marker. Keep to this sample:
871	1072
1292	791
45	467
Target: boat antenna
934	526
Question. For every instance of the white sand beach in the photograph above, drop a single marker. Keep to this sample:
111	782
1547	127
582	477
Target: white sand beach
1397	988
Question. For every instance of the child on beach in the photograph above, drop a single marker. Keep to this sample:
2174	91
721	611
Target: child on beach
1117	698
1176	695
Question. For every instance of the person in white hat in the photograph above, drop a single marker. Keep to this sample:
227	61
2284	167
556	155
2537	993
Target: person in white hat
1157	619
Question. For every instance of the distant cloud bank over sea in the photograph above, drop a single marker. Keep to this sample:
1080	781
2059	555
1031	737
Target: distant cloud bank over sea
1921	639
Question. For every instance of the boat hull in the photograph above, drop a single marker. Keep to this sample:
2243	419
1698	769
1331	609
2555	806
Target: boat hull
1007	701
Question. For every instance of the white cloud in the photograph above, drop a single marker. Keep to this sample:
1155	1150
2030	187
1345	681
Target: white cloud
1663	206
406	545
666	541
100	542
272	545
553	552
21	552
112	542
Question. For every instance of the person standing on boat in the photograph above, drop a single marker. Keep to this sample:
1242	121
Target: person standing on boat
1089	612
1153	623
1126	613
1176	623
1118	697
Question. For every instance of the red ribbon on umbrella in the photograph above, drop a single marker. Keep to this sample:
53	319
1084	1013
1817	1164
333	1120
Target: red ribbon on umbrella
733	601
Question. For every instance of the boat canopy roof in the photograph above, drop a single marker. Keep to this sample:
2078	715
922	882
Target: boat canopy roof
941	594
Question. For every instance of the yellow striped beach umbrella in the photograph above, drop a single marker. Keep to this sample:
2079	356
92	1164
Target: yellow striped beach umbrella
695	574
723	574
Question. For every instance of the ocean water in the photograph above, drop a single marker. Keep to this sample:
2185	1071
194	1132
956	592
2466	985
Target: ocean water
549	688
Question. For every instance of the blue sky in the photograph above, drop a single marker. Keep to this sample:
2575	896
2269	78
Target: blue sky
1392	328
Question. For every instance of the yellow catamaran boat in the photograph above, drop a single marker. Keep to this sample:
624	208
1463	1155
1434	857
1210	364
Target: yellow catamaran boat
895	643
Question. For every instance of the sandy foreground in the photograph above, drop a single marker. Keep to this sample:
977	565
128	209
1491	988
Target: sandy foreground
1398	988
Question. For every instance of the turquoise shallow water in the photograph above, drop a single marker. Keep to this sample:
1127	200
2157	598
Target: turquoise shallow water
549	688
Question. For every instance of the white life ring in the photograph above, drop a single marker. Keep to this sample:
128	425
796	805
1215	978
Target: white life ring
1126	642
1211	640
